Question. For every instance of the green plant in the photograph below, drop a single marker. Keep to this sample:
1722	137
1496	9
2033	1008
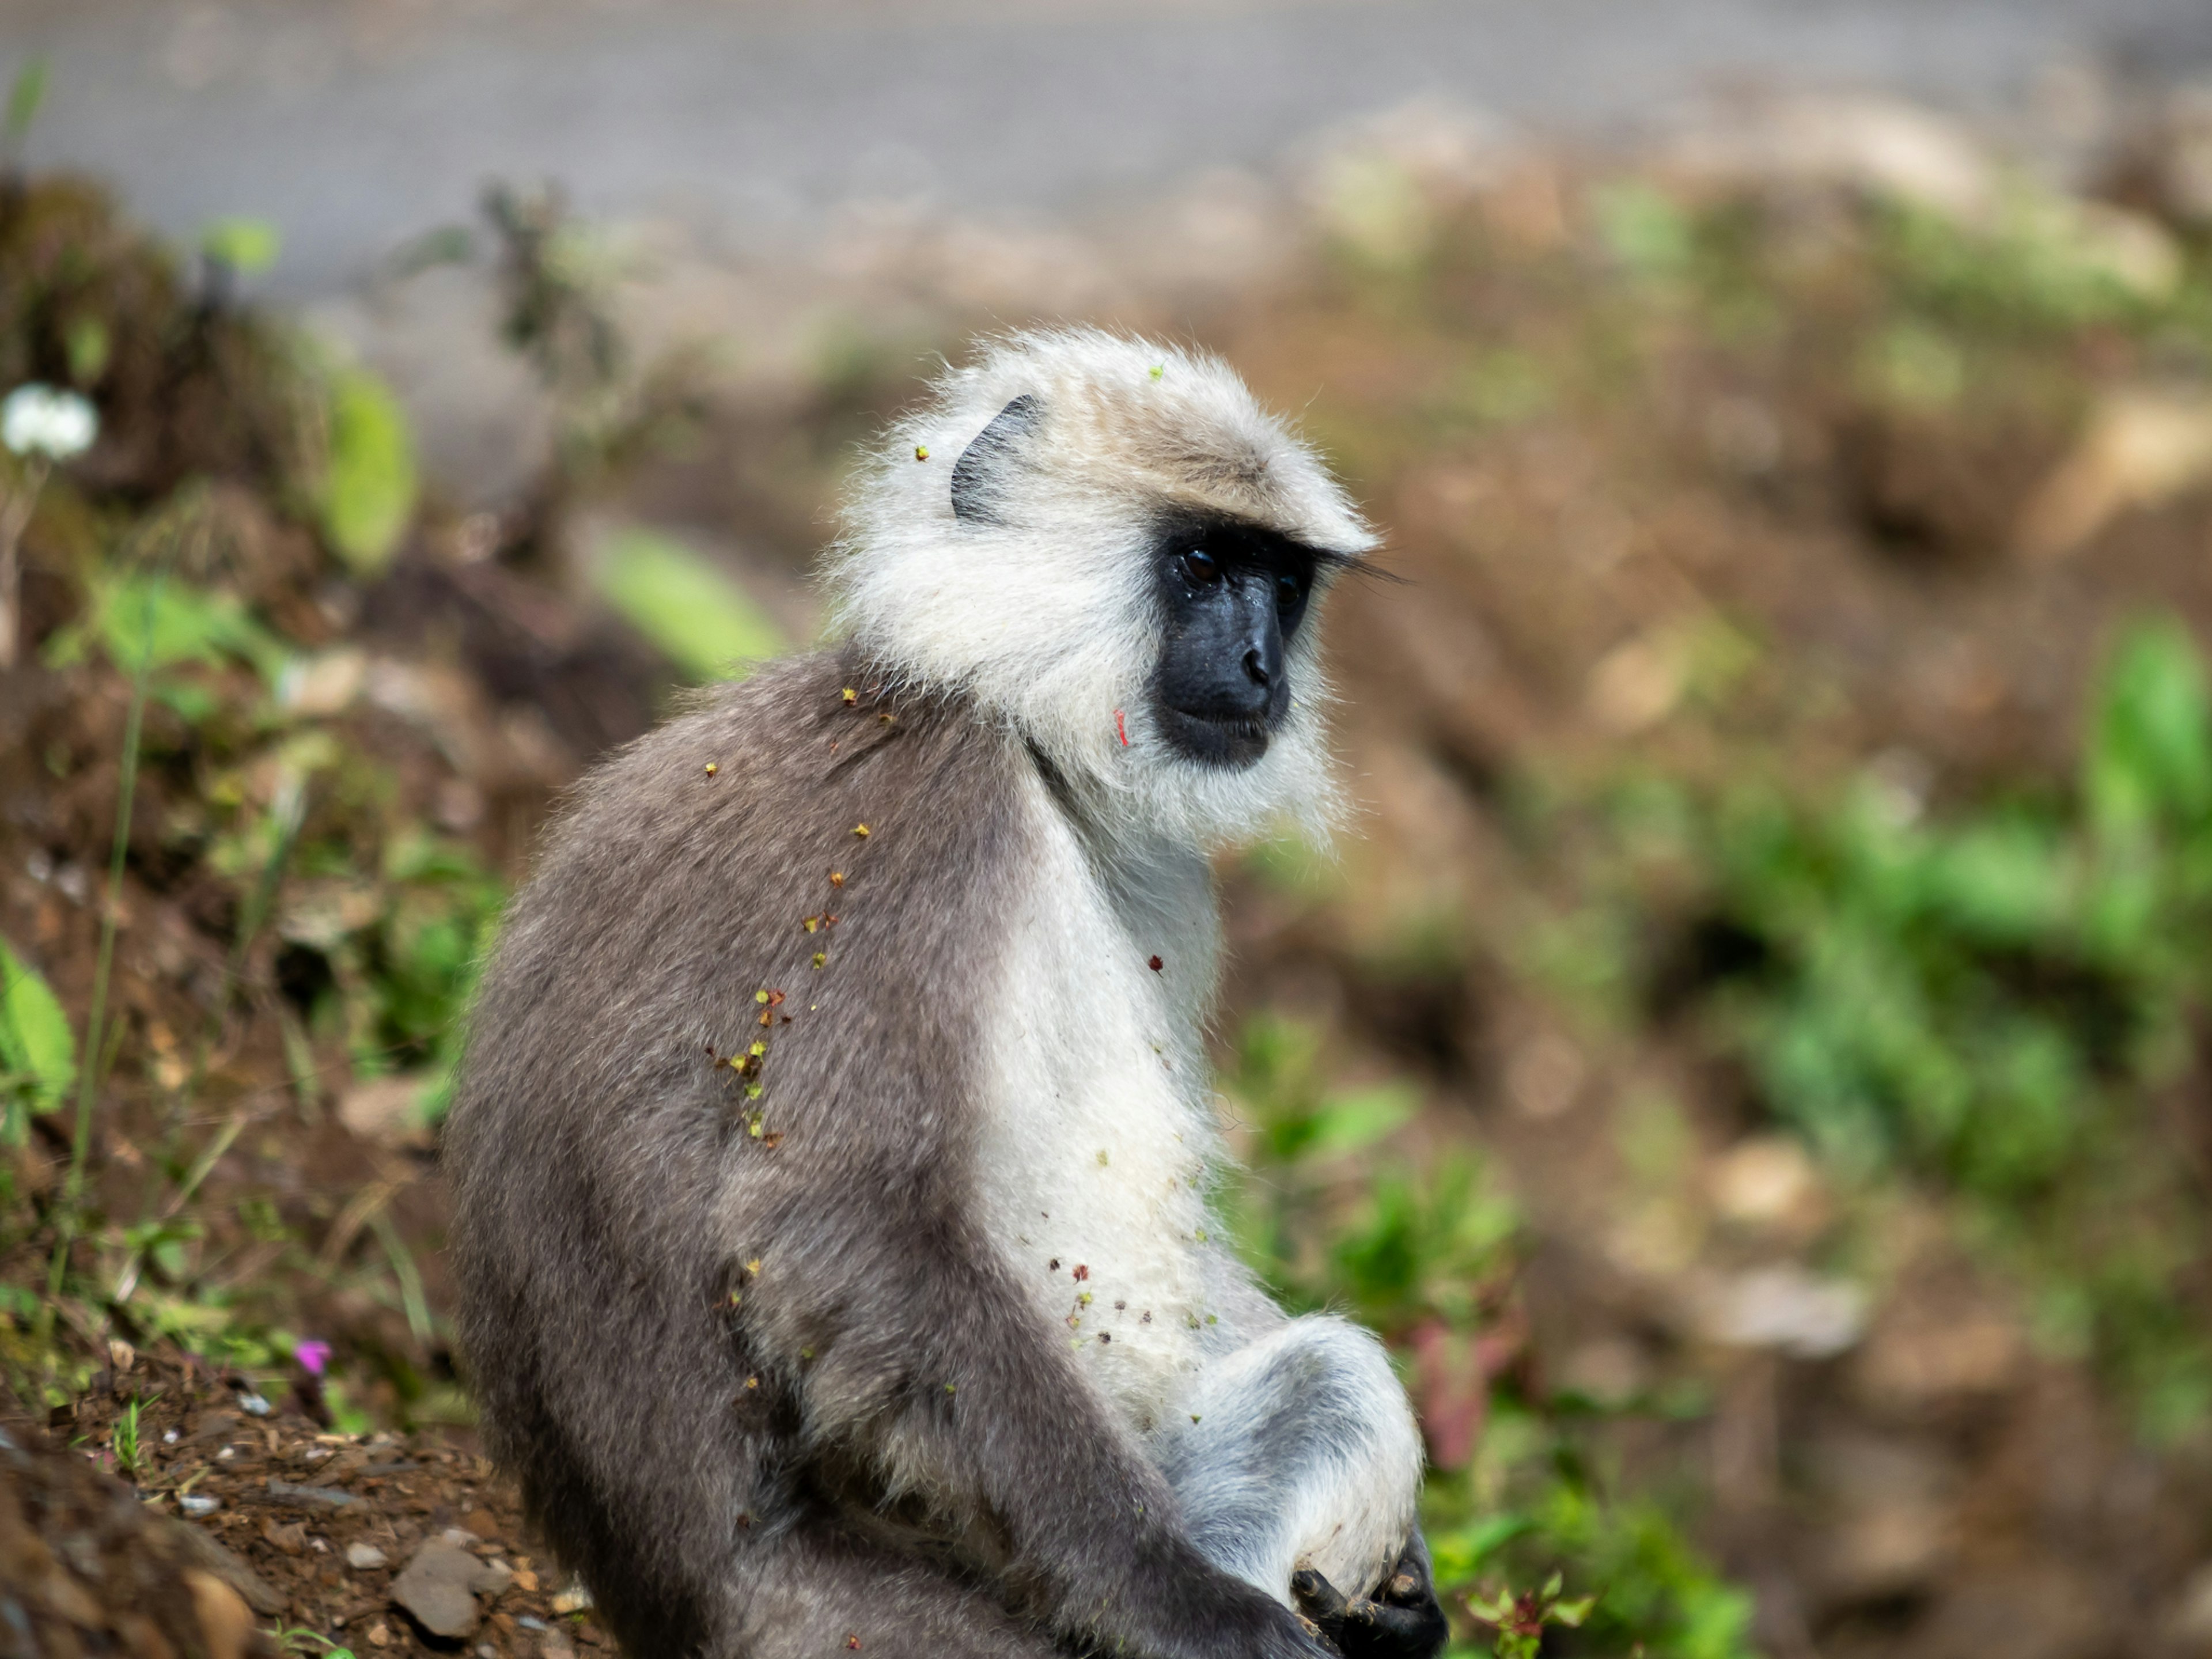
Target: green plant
1425	1254
122	1441
366	498
298	1638
699	619
38	1049
1992	1002
1520	1620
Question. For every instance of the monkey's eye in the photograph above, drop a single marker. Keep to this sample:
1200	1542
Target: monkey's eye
1290	591
1200	567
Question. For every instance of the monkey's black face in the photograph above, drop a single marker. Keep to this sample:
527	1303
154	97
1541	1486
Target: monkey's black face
1233	597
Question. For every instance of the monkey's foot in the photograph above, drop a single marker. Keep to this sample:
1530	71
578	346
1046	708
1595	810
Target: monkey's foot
1402	1620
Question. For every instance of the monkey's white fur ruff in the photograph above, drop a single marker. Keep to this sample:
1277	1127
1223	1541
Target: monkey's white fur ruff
1047	616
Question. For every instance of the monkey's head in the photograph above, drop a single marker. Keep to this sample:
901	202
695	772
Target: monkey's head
1109	545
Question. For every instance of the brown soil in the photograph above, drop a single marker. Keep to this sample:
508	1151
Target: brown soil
289	1501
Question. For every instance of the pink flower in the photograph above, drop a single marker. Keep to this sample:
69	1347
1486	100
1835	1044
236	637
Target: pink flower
312	1356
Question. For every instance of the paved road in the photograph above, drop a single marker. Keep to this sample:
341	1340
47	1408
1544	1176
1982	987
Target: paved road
355	123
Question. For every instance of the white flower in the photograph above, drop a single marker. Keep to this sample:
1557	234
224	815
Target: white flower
37	420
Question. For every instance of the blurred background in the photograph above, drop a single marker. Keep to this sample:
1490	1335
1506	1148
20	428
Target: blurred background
1752	1054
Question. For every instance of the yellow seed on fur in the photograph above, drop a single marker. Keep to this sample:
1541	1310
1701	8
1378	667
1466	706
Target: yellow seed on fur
820	957
851	696
712	768
951	1388
921	451
761	1048
752	1381
1159	369
812	924
807	1354
753	1267
862	830
1193	1417
760	996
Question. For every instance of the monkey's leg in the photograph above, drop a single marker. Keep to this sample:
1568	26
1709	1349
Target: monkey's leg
819	1592
1297	1451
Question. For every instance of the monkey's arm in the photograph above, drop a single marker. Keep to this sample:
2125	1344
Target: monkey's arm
928	1362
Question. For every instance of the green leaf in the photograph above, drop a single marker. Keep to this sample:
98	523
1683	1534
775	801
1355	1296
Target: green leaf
702	622
35	1039
368	490
2150	755
1644	229
248	246
24	98
168	623
1460	1551
1348	1122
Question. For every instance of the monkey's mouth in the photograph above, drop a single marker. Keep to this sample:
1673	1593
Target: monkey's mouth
1230	741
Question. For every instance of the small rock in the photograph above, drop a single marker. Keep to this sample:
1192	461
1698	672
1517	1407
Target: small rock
1765	1182
196	1506
366	1557
528	1622
290	1540
1787	1308
481	1523
253	1405
433	1589
574	1599
492	1578
2190	1623
379	1634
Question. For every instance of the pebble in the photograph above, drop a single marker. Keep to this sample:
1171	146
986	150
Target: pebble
366	1557
434	1589
253	1405
194	1504
574	1599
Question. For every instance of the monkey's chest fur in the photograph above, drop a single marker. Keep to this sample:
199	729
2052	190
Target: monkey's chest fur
1097	1143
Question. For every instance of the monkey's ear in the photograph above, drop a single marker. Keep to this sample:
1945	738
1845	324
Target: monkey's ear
975	475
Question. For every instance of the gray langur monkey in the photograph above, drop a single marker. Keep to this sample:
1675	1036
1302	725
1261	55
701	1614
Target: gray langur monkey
832	1152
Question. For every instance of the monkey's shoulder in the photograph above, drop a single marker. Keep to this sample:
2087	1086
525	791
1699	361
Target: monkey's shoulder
766	818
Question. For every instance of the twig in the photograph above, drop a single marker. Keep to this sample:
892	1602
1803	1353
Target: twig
14	520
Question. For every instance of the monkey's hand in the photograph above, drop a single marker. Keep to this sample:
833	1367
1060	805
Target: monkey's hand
1402	1619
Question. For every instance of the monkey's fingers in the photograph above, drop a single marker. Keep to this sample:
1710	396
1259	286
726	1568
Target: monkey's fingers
1378	1630
1321	1604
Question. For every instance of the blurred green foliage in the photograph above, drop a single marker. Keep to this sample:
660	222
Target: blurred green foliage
38	1049
697	617
243	246
1425	1252
367	498
1993	1001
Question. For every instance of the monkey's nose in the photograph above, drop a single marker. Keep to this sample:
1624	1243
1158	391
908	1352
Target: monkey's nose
1256	665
